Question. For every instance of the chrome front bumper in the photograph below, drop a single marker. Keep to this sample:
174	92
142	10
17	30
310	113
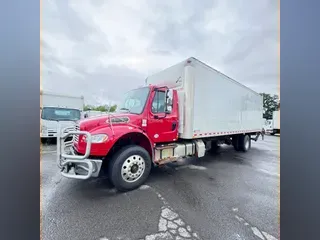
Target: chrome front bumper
72	165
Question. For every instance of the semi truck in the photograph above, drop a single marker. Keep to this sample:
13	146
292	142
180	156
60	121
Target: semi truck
275	122
184	111
56	108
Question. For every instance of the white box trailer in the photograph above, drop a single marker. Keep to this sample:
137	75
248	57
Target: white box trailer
56	108
211	103
276	122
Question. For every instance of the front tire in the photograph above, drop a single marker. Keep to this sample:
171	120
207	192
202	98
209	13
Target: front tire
129	168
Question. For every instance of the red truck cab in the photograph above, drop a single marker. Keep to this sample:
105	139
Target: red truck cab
145	120
124	142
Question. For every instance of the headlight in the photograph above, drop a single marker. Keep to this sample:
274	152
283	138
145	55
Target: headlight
44	128
97	138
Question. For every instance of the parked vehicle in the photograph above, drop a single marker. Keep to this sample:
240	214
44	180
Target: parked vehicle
58	108
268	126
276	122
93	113
183	111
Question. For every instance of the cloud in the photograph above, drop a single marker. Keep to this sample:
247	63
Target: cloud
101	49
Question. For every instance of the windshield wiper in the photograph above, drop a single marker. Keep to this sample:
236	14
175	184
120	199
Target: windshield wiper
66	119
125	109
50	119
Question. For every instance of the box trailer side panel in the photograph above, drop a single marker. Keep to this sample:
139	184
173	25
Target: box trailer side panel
210	103
221	106
276	119
63	101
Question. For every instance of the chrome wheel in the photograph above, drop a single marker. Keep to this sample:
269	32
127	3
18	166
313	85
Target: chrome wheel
132	168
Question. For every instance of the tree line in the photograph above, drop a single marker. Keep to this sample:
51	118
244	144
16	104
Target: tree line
101	108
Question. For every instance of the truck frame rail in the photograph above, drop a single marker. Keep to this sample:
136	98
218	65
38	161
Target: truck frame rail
70	163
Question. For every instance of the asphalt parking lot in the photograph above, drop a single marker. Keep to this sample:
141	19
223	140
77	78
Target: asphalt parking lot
229	195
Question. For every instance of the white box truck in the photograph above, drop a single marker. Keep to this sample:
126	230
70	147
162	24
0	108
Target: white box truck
268	126
183	111
56	108
276	122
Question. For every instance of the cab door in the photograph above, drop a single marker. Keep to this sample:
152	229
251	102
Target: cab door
163	116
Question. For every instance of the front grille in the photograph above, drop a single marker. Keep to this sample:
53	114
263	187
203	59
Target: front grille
76	136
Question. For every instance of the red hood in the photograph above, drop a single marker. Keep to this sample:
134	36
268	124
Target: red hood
117	119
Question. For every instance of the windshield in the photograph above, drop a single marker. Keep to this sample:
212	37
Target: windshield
135	100
60	114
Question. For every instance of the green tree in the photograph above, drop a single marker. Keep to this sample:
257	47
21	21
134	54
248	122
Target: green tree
271	103
87	107
101	108
113	108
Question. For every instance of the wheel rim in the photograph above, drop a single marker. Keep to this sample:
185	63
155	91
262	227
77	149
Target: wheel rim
246	143
133	168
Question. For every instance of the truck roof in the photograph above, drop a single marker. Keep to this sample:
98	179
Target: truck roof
206	65
58	94
193	59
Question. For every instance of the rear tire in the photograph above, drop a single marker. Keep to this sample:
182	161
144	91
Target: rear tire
235	142
129	168
244	143
214	147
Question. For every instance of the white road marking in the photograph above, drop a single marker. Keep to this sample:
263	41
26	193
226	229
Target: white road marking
162	225
195	235
170	225
183	232
268	236
162	235
237	236
260	234
257	233
168	214
238	218
179	222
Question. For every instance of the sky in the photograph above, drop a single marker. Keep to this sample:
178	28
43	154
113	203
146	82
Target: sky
101	49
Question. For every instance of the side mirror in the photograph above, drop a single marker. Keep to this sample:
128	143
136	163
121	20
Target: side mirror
169	101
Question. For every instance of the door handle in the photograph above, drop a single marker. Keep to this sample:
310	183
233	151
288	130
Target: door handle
174	125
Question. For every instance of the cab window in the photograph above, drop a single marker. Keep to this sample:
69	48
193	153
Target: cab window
158	103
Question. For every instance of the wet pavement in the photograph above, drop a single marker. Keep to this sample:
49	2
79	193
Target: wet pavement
229	195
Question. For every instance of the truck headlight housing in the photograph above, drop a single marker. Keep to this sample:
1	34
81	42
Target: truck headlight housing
97	138
44	128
